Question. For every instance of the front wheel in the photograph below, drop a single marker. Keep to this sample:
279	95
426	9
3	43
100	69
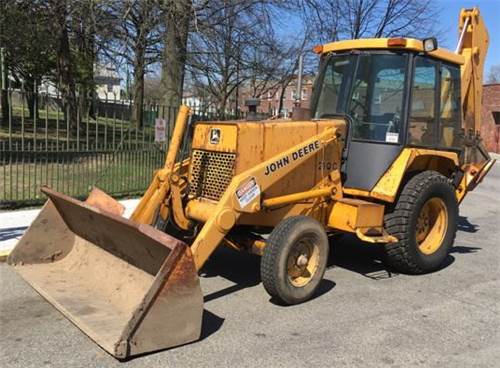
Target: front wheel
294	260
424	218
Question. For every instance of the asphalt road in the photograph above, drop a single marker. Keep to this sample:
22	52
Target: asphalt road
364	316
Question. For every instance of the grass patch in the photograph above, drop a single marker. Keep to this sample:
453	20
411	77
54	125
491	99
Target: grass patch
51	129
118	174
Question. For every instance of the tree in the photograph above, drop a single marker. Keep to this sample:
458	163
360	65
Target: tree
138	43
178	15
58	11
152	88
216	55
185	20
91	32
60	40
273	66
494	74
236	45
28	54
351	19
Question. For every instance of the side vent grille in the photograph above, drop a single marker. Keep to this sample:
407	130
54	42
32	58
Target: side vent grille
211	173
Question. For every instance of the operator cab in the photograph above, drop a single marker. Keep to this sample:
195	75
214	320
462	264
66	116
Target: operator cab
392	98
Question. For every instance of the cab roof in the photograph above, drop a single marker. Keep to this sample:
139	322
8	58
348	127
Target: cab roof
382	43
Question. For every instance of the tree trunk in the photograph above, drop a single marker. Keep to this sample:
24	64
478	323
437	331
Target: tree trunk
65	76
85	41
282	94
4	99
138	87
85	88
5	107
178	15
32	99
83	103
138	96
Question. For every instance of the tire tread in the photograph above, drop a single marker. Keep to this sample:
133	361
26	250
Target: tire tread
270	276
397	221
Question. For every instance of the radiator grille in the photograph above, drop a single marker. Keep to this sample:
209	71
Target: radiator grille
211	173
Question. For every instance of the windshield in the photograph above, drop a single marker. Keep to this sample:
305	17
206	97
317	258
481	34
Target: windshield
369	88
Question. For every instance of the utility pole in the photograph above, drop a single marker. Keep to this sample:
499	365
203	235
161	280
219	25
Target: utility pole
238	76
298	99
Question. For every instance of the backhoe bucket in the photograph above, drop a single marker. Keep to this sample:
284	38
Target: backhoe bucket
128	286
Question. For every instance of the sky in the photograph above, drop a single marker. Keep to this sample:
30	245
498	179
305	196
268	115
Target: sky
490	11
448	19
450	11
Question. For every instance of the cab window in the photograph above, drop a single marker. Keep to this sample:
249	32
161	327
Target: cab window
435	114
451	119
334	86
377	98
423	98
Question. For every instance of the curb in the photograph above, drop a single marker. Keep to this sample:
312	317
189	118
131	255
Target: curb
3	255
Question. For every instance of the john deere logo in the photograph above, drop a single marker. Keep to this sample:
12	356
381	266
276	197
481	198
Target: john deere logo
215	136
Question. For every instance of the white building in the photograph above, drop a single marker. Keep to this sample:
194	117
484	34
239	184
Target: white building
107	83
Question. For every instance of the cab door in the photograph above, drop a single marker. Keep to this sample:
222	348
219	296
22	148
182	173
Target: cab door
377	109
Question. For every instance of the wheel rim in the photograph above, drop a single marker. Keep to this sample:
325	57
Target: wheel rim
431	225
302	262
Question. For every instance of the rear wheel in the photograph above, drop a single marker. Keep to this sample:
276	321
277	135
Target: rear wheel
424	218
294	260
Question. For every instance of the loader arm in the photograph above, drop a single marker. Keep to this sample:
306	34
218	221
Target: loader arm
155	197
243	194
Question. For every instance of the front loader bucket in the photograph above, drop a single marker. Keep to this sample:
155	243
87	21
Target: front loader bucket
129	287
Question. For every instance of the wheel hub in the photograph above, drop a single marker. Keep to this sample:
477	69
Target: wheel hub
422	228
431	225
302	262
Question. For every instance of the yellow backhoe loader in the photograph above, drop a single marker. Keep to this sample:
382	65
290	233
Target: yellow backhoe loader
387	150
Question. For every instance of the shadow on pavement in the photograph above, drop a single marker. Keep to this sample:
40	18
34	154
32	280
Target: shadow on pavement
448	261
464	250
465	225
239	267
211	324
243	269
366	259
346	251
323	288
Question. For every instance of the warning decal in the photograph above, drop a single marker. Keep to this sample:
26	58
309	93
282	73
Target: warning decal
247	192
392	137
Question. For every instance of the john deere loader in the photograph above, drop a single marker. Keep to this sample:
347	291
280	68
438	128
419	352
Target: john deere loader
387	150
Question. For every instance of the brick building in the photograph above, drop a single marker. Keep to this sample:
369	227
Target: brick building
490	130
270	100
290	96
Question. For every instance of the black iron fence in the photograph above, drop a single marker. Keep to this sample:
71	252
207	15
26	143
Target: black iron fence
103	149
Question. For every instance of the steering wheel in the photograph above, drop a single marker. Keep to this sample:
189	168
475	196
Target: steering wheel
357	104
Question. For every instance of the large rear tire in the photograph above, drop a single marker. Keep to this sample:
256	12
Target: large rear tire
425	219
294	260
